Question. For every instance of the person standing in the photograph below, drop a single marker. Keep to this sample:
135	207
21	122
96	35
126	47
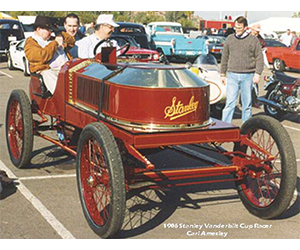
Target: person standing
294	36
286	38
242	61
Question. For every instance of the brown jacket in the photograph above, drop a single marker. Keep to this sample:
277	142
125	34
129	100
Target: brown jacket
40	57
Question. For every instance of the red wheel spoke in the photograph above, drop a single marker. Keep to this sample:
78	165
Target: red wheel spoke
95	179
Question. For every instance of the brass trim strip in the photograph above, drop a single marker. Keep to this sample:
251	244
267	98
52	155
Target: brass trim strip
71	71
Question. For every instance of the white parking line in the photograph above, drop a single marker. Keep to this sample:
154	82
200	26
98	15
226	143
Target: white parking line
47	177
297	129
1	72
49	217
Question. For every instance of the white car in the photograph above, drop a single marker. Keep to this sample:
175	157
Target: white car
206	67
16	57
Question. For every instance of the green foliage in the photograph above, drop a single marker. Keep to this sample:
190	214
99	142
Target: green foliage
183	17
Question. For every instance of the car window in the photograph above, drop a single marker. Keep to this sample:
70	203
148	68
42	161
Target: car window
7	26
131	30
21	45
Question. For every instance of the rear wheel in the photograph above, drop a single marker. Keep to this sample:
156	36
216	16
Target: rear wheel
101	181
19	130
267	189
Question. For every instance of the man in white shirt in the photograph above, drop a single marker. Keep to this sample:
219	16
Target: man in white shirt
286	38
103	30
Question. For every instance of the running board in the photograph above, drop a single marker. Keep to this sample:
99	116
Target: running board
197	154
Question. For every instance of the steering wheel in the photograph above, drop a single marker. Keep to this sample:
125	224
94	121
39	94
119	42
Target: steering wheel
123	48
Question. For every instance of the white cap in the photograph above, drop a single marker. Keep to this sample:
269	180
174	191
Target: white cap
106	19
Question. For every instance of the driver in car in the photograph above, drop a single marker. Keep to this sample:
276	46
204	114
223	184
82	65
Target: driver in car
44	56
104	27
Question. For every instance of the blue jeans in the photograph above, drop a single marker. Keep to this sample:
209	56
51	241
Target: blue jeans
236	82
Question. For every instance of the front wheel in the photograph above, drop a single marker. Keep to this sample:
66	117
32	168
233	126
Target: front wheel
19	129
266	189
100	179
278	65
269	110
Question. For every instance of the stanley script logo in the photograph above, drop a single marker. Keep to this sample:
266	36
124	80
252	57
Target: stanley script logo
177	110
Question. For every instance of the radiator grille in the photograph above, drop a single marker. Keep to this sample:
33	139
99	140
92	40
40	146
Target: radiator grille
88	91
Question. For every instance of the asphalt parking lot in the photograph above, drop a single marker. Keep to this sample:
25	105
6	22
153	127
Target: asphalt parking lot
44	202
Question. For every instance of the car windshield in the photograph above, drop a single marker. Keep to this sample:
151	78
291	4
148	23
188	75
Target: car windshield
168	28
121	42
152	76
207	61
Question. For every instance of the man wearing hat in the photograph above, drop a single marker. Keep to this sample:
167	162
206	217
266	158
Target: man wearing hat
104	28
44	56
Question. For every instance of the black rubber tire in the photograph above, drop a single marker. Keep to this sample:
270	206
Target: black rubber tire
276	113
278	65
288	165
98	133
25	133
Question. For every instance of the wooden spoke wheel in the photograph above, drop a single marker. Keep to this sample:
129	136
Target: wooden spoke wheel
100	178
19	130
267	188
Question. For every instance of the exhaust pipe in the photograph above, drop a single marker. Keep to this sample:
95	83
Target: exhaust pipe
270	103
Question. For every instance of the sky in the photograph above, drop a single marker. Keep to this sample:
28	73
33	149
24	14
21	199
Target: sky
252	16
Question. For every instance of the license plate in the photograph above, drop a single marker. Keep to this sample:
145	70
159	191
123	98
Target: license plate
12	38
190	52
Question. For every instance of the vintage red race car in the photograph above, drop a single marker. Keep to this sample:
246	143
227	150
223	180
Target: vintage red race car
121	120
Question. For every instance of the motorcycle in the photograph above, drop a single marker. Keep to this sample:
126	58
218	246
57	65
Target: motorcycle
206	67
283	95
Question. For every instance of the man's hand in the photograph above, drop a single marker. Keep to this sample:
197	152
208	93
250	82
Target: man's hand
256	78
223	80
59	40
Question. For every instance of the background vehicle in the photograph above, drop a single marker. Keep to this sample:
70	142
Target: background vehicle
206	67
137	31
16	57
10	30
168	39
127	124
283	95
210	24
283	57
215	45
135	52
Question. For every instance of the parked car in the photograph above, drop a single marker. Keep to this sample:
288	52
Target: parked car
215	44
169	40
10	30
137	31
285	57
16	57
135	51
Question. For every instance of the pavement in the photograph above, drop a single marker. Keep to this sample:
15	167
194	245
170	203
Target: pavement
44	204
